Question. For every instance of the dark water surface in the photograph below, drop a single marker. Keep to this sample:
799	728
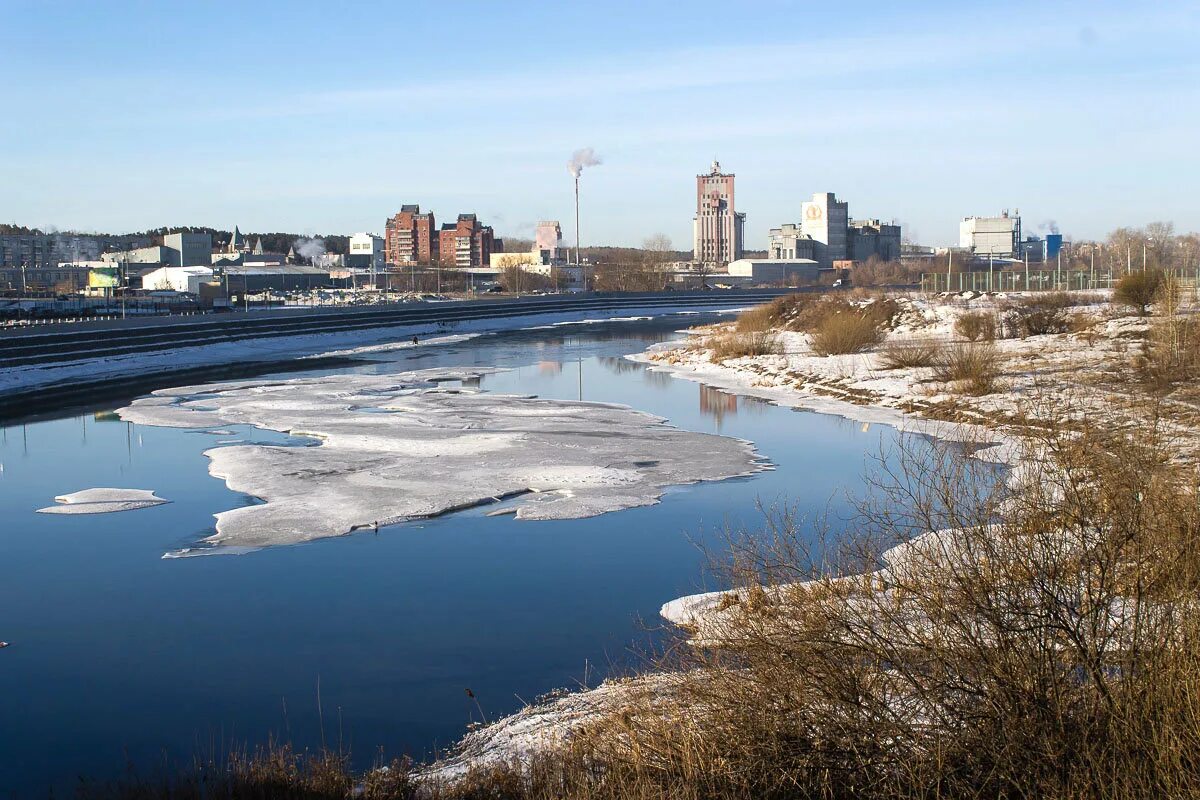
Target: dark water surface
119	656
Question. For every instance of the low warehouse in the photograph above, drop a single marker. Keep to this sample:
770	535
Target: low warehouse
769	270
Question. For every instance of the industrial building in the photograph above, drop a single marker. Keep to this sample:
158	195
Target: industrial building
793	271
43	250
177	250
826	220
247	278
787	242
60	278
177	279
366	252
998	237
827	235
870	238
717	227
547	239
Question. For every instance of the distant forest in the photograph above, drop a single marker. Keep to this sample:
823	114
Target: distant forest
272	242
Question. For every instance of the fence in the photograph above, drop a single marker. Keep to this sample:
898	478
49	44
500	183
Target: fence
1033	280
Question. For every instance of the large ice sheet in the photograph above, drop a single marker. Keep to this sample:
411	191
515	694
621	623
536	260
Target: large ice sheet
103	501
418	444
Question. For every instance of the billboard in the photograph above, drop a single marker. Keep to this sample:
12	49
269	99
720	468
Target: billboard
104	277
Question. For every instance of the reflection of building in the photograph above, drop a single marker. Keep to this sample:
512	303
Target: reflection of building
717	404
550	367
717	226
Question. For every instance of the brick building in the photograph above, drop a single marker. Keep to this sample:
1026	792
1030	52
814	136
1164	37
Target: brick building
465	243
717	226
411	237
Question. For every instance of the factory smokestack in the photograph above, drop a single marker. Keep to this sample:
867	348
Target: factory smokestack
585	157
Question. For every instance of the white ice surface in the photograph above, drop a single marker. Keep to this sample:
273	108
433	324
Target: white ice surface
404	446
103	501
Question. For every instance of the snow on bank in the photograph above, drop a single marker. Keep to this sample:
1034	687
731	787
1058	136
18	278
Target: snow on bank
103	501
411	445
358	343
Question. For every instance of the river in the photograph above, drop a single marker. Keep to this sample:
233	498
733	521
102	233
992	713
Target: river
120	657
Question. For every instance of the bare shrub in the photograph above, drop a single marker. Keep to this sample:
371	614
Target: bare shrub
972	369
897	354
976	326
1038	315
1137	290
1043	644
844	332
736	345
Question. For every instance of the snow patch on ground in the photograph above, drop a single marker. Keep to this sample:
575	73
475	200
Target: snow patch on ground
103	501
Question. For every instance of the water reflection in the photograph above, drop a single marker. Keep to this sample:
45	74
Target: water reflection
719	404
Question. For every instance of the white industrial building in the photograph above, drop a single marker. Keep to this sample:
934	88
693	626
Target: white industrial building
366	252
773	270
177	279
991	236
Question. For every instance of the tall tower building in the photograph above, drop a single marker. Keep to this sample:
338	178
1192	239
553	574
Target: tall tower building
827	221
717	226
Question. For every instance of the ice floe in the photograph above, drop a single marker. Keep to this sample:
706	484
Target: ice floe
418	444
103	501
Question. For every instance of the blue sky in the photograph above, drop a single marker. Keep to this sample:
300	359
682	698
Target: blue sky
325	117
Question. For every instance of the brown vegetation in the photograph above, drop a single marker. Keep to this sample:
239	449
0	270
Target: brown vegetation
971	368
976	326
1038	314
737	345
1138	290
846	331
898	354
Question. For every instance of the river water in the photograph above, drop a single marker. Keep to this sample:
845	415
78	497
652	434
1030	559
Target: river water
120	657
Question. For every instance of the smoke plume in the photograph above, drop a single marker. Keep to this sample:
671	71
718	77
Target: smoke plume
309	248
1049	226
583	158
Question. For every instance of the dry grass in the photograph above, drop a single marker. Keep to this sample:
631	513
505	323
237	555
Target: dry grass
1037	315
734	344
976	326
844	332
913	353
972	369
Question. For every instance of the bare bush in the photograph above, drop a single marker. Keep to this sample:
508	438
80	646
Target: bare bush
1038	315
1043	644
976	326
897	354
1138	289
972	369
846	332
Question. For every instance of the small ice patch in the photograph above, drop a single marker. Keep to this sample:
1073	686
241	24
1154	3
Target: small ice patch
103	501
